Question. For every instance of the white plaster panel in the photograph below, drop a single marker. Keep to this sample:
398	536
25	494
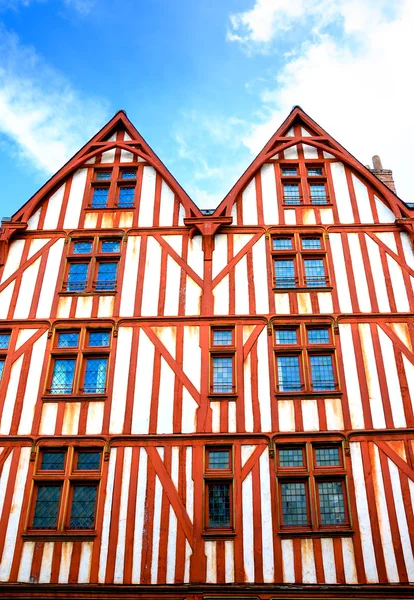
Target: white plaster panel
401	519
290	216
328	559
26	292
359	273
4	478
25	567
341	277
5	299
334	416
65	561
377	275
215	416
33	221
94	419
351	377
343	200
241	287
310	151
286	415
221	297
14	257
71	418
165	399
46	564
229	561
393	382
181	214
232	406
308	216
120	385
172	288
234	214
192	297
371	375
123	508
143	385
385	215
10	399
49	280
291	152
139	516
304	303
85	562
48	418
267	533
325	302
246	452
54	205
362	200
108	156
151	288
220	253
195	255
166	205
288	564
32	386
73	209
248	537
269	195
90	220
156	522
249	204
36	244
64	305
103	556
351	575
310	415
265	400
192	355
106	306
260	277
282	304
211	556
326	216
126	218
398	285
248	406
84	307
308	561
146	205
129	283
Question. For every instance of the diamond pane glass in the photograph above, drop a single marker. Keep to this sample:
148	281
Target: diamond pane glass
286	336
318	194
288	374
103	175
219	505
322	372
331	502
327	457
282	244
1	367
88	461
46	509
83	507
311	243
82	247
99	338
314	171
53	461
106	280
219	459
100	197
4	340
318	336
291	193
113	246
62	378
128	175
77	277
291	457
292	171
68	339
285	274
126	197
315	273
223	337
222	374
294	506
95	376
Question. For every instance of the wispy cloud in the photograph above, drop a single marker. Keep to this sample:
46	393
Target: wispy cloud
351	71
43	116
83	7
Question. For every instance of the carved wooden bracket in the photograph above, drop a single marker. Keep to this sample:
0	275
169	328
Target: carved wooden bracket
208	226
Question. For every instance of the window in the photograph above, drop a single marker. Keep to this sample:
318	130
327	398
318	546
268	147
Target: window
289	171
299	261
304	184
222	353
92	265
312	486
4	345
318	193
305	358
65	489
79	362
218	480
315	171
113	188
291	193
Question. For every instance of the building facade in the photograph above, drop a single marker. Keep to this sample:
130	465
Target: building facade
208	404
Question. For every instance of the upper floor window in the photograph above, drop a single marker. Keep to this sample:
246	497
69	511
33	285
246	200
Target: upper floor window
318	193
218	479
79	362
92	265
299	261
4	345
305	358
291	193
113	188
304	184
222	354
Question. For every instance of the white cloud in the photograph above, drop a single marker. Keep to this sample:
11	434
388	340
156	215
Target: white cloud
83	7
41	113
352	73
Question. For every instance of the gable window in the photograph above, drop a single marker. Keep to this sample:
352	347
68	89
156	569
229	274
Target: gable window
113	188
126	196
289	171
305	358
291	193
65	490
315	171
222	355
312	486
79	362
299	261
92	265
100	197
318	193
218	481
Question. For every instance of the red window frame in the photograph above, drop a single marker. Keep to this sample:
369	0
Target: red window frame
304	180
113	184
222	351
220	476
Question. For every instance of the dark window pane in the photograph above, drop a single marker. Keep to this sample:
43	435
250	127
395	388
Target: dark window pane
314	171
288	374
88	461
219	505
318	194
291	457
106	279
100	197
113	246
4	340
47	505
327	457
62	378
128	175
292	171
311	243
82	515
294	507
322	372
53	461
77	277
99	338
318	336
68	339
282	244
286	336
219	459
223	337
103	175
82	247
315	273
222	374
285	274
126	197
1	367
291	193
95	376
331	501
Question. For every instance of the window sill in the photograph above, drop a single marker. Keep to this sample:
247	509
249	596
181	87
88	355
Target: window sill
308	205
327	288
74	397
62	536
94	293
308	395
219	396
219	534
107	208
306	533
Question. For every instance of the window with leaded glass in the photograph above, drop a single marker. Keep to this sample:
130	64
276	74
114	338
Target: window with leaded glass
289	171
315	171
222	374
110	246
103	175
311	243
219	505
218	459
222	353
318	335
62	376
291	193
82	247
77	277
322	372
315	275
126	197
106	276
89	268
223	337
47	506
129	174
294	504
218	477
318	193
288	374
282	243
99	338
286	336
95	375
285	273
68	339
4	341
82	514
100	197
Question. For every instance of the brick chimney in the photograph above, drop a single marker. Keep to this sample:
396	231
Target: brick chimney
385	175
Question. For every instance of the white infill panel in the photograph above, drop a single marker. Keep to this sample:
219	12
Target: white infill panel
65	560
139	516
129	283
267	533
172	529
4	479
242	287
282	304
74	206
401	519
25	567
377	274
54	205
143	385
248	535
260	277
362	200
5	298
120	385
249	204
46	564
151	287
310	415
71	418
9	402
156	525
363	514
95	418
351	377
334	416
123	508
264	382
328	559
26	292
211	567
371	374
90	220
351	575
304	303
359	272
219	254
269	195
398	285
385	215
248	405
195	255
409	372
393	382
33	222
291	152
221	297
85	562
340	272
215	416
310	151
325	302
192	354
189	413
36	244
84	307
107	517
343	200
48	419
286	415
166	205
288	564
32	386
49	280
192	297
229	561
165	399
106	306
146	205
308	561
14	257
172	288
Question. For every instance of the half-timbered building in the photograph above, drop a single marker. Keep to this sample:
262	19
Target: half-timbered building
208	404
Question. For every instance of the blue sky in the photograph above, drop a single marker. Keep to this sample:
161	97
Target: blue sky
206	82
